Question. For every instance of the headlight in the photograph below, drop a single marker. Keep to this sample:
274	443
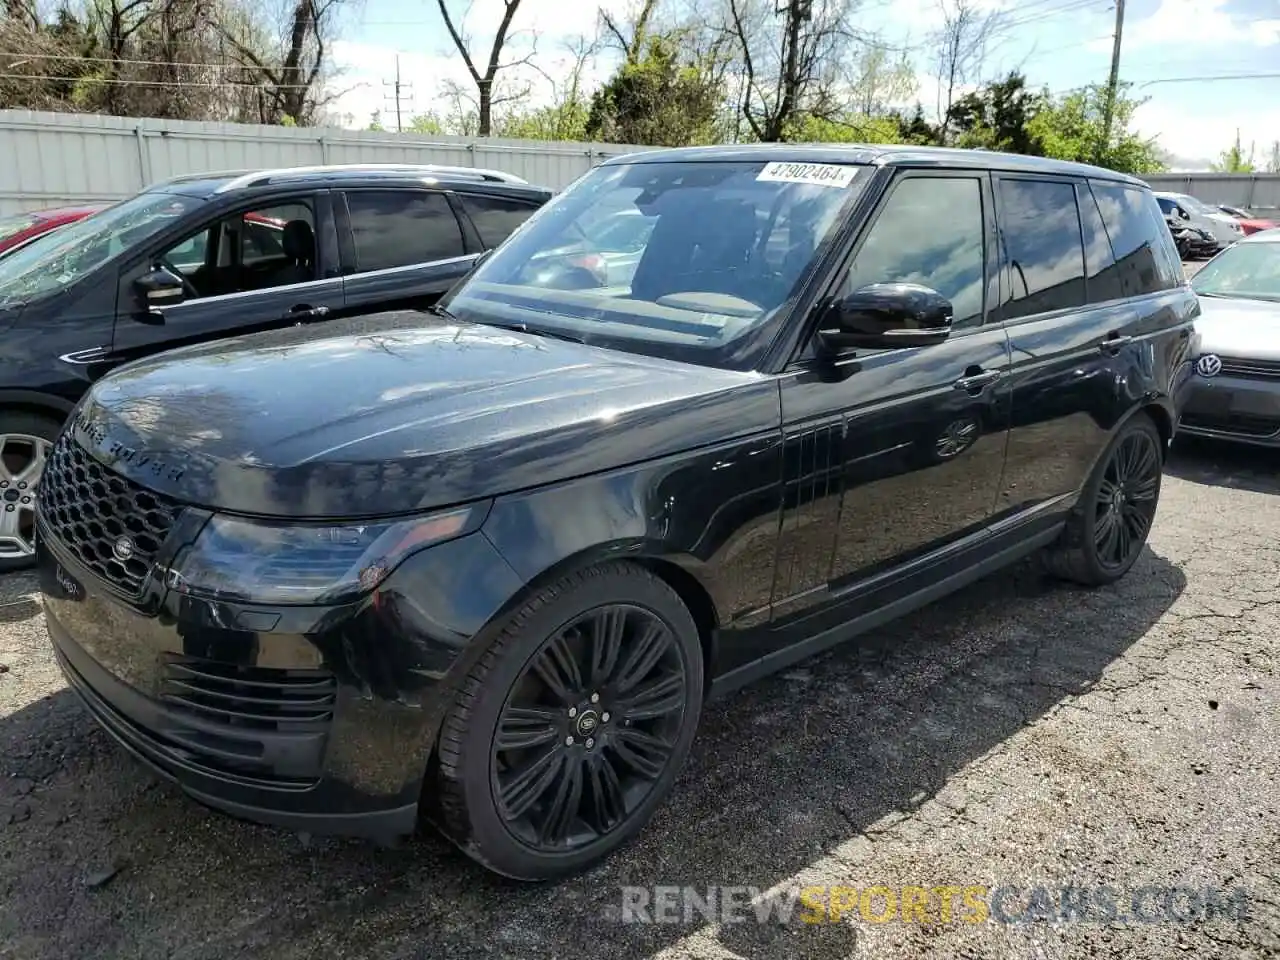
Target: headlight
307	563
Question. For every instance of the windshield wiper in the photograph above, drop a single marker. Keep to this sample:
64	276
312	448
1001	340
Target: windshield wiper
442	312
537	331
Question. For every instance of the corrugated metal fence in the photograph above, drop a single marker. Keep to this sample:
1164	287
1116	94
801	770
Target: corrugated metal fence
48	159
1253	191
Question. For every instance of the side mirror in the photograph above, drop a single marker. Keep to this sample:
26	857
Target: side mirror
886	315
160	288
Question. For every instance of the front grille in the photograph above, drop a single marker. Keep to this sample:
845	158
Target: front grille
1244	425
91	511
267	723
1251	369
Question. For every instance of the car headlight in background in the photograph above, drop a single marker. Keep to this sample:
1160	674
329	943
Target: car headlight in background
307	563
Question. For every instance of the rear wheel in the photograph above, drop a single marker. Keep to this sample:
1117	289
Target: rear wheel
570	731
1109	527
25	442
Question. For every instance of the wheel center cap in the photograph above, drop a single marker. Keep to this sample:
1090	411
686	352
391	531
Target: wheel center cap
588	723
11	495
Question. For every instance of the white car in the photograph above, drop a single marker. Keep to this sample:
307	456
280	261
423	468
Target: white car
1221	226
1236	391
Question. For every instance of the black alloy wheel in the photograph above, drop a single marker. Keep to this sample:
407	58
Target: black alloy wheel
1125	505
570	728
590	726
1108	528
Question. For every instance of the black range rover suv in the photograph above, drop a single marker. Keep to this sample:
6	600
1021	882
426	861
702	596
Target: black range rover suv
488	569
212	255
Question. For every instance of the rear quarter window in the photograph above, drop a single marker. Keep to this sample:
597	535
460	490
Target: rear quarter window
1043	250
496	218
1145	256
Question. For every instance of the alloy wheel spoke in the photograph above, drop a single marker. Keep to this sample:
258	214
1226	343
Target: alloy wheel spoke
1143	489
608	629
1136	520
522	789
557	667
522	727
655	698
608	805
30	474
562	807
1144	462
644	656
642	752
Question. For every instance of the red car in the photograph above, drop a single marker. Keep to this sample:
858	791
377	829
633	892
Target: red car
1248	223
21	227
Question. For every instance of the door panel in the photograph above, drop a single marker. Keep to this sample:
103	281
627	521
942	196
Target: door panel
891	454
912	463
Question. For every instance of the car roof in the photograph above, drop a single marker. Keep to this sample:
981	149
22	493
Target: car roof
206	185
875	155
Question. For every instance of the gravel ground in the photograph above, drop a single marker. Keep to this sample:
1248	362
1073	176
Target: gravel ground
1023	733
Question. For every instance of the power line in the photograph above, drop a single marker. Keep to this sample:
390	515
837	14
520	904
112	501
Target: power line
155	83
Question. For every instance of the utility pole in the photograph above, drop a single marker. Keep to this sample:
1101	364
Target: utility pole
398	89
1113	82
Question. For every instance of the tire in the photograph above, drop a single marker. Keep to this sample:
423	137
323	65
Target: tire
18	430
1137	452
484	782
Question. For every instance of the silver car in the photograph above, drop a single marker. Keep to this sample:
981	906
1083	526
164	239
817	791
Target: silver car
1236	395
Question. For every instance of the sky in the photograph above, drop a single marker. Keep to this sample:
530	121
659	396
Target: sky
1061	44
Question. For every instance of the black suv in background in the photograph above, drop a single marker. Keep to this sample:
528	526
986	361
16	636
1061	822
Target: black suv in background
214	255
494	576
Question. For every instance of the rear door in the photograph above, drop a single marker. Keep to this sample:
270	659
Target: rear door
241	276
401	247
1084	266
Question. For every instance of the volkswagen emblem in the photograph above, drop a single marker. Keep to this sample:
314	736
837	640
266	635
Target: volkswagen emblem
1210	365
122	549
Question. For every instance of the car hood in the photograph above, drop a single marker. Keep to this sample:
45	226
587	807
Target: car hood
402	416
1249	329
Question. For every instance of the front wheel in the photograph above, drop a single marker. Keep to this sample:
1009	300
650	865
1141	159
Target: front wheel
25	442
1109	526
570	731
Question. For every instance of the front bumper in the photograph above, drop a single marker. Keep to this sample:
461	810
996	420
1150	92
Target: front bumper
1228	407
318	719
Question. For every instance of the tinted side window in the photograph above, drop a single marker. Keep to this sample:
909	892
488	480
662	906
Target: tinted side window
1099	260
1137	233
496	218
929	231
1042	247
400	228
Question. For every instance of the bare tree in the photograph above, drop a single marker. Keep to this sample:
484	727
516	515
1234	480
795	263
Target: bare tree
628	35
962	42
486	81
290	77
790	52
1273	161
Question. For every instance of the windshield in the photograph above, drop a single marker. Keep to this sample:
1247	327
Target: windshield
1195	206
1249	271
687	260
63	256
16	224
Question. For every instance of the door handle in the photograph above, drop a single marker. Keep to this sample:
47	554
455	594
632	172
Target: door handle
302	314
1114	343
976	381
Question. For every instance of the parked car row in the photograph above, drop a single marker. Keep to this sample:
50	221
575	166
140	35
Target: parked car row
486	566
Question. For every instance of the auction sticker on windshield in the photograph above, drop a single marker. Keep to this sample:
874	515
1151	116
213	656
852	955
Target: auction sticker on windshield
824	174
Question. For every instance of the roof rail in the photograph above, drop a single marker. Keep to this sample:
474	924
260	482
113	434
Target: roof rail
261	177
